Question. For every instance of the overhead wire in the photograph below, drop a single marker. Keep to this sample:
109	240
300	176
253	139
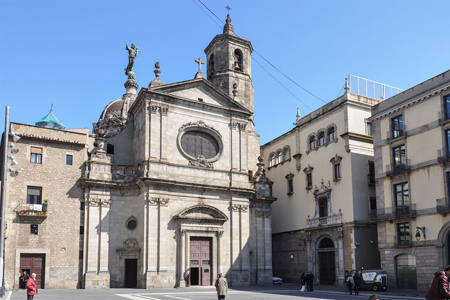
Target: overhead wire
263	59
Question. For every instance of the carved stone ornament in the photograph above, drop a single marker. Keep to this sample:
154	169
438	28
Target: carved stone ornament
159	109
158	201
308	169
112	124
263	214
201	213
130	243
239	207
289	176
201	162
239	126
200	124
99	202
336	159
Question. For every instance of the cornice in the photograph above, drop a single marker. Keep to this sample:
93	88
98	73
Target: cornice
408	103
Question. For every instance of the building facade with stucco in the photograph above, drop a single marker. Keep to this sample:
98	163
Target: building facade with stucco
411	140
167	191
322	171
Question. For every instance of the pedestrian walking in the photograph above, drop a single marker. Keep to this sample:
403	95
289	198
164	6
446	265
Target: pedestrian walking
309	282
439	285
25	278
374	297
357	282
221	287
350	284
32	287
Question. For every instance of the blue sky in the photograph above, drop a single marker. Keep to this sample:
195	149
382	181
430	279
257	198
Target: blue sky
72	53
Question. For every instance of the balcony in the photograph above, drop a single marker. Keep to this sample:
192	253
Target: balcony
444	117
397	168
401	133
443	206
393	213
37	211
371	179
443	155
324	221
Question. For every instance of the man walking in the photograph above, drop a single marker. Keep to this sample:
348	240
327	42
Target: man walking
221	287
31	287
439	285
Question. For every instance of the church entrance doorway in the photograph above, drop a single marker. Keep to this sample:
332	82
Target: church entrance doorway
34	263
130	273
200	261
326	262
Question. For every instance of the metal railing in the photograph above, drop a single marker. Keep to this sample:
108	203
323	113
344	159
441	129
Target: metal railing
443	155
443	115
404	166
371	178
443	205
24	209
371	89
401	133
393	213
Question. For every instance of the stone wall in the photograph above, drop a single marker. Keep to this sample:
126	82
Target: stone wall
287	244
59	231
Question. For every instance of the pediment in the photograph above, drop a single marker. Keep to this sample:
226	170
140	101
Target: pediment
202	212
201	91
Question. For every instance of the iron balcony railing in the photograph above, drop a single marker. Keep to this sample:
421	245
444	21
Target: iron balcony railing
443	155
29	210
400	133
404	166
403	243
443	116
443	205
393	213
371	178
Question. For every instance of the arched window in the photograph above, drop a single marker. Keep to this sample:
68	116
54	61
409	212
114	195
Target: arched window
279	157
326	243
321	138
238	60
312	142
286	153
331	134
271	160
211	66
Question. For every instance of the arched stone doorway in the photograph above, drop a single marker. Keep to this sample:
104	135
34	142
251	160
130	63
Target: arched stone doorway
327	265
405	265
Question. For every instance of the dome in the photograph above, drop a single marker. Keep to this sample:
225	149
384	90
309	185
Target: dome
50	121
116	109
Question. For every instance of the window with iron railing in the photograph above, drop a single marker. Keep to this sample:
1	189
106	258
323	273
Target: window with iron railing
399	158
371	175
397	126
447	106
402	201
403	233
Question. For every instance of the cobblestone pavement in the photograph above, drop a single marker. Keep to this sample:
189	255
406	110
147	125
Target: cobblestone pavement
281	292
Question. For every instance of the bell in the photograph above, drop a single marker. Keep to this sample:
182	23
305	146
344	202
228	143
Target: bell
236	65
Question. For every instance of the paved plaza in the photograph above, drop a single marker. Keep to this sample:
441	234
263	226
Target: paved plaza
281	292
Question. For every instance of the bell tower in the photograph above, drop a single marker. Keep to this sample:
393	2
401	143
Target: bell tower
228	58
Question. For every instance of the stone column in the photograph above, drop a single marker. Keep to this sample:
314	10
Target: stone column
182	258
243	148
97	268
163	136
154	138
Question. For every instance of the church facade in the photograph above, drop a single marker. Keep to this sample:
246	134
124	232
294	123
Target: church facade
171	191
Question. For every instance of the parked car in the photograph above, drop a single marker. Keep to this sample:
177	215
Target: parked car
375	280
277	280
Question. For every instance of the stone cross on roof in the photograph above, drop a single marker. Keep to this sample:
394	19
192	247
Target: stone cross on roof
228	8
199	73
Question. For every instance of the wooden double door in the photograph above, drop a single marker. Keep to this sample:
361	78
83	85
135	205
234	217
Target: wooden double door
327	268
34	263
200	261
